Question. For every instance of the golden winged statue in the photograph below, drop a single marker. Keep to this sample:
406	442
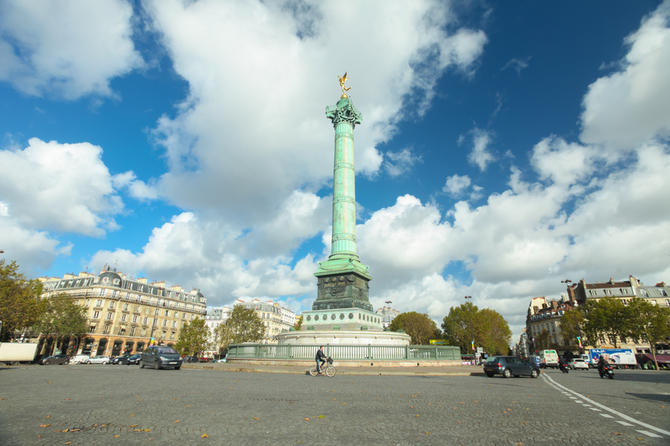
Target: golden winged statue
343	79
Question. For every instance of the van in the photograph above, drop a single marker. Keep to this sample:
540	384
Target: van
548	358
78	359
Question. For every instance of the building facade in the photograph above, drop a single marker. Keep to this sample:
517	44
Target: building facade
277	319
387	314
126	315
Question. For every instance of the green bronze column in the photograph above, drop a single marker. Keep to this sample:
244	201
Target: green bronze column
343	279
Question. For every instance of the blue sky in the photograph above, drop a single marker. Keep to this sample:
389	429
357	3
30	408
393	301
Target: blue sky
505	146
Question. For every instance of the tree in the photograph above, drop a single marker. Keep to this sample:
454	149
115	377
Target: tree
571	326
487	327
649	323
193	338
541	341
298	323
607	317
62	317
243	325
20	305
419	327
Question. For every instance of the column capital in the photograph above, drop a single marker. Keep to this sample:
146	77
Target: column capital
344	111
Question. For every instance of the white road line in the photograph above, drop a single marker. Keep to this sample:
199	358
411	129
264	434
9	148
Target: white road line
650	434
605	415
624	416
625	423
594	409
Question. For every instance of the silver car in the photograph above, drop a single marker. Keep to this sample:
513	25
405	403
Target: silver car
101	359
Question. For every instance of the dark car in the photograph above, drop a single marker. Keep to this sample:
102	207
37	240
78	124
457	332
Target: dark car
134	360
509	366
160	357
190	359
55	359
123	359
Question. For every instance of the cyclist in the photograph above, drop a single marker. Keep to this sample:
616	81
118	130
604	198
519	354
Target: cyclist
320	358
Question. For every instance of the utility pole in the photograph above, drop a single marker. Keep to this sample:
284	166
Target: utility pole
472	328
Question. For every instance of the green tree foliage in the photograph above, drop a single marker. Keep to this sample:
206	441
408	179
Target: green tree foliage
193	338
542	341
62	317
488	328
298	323
607	319
648	323
571	326
20	305
419	327
243	325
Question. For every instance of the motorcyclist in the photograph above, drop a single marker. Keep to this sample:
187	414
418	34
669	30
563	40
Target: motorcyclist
563	363
602	363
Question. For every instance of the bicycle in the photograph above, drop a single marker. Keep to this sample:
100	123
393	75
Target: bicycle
328	368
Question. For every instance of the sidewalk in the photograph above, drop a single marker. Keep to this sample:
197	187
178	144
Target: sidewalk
464	370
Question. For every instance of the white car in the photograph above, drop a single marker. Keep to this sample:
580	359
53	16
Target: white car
79	359
98	360
578	363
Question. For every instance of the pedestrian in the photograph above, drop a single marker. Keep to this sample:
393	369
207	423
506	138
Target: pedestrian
320	359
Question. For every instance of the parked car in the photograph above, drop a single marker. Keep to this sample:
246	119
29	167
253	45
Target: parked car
55	359
100	359
121	359
578	363
509	366
222	360
134	359
160	357
188	359
79	359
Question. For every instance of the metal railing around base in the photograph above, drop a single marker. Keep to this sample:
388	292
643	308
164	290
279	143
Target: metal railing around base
346	352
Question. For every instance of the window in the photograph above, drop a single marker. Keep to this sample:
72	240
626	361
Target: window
174	324
98	303
122	331
164	323
176	314
156	312
101	291
111	304
105	330
96	315
110	315
91	329
172	335
167	313
144	332
125	307
667	302
664	293
134	319
183	315
643	293
132	331
124	317
653	302
145	320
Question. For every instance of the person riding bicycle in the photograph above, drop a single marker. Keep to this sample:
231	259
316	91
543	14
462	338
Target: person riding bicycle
320	358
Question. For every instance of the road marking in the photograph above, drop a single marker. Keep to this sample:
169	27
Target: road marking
625	423
650	434
624	416
594	409
605	415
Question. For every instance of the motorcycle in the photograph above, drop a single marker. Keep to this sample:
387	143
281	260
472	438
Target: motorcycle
607	371
564	368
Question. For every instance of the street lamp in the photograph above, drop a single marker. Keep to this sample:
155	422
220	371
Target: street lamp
472	329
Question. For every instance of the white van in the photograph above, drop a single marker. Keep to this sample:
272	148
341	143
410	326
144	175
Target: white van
548	358
78	359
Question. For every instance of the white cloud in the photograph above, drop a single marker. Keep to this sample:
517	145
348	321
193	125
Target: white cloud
517	64
68	48
630	107
64	187
456	185
137	189
400	162
253	128
480	155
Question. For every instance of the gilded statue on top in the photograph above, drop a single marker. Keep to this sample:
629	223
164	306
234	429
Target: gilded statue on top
343	79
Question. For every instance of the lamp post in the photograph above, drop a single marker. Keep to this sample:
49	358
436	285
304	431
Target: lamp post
472	328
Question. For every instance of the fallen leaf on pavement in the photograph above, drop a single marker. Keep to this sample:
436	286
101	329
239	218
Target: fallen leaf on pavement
45	425
204	436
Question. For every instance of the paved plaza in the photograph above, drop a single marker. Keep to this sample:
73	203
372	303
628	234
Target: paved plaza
109	405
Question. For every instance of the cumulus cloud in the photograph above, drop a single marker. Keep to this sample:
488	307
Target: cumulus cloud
137	189
630	106
456	185
480	155
63	187
253	125
68	48
400	162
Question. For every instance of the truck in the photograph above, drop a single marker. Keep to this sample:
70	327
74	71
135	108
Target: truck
618	357
16	352
548	358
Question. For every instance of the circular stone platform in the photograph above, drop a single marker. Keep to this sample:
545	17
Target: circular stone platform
336	337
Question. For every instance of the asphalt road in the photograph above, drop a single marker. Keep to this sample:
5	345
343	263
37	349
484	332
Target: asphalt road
109	405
